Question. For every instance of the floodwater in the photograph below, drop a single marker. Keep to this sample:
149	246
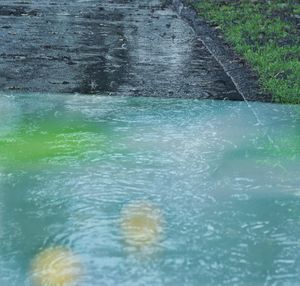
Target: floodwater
121	47
223	177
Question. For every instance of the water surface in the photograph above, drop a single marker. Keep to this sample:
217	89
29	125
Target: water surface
225	181
132	47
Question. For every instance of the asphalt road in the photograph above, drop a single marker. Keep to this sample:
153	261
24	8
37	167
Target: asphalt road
120	47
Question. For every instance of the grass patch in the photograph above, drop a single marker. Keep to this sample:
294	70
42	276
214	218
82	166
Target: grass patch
266	34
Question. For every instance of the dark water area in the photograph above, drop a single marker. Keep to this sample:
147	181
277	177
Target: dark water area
137	47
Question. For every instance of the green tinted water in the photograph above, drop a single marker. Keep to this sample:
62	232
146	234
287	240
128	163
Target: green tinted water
228	189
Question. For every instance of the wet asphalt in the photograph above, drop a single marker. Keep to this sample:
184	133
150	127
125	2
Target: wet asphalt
110	47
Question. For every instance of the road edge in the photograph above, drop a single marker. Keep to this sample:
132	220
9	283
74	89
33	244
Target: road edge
242	75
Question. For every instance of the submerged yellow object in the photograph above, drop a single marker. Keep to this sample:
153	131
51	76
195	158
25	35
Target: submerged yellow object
56	267
141	224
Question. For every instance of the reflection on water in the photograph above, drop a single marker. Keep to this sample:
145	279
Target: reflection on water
72	169
44	139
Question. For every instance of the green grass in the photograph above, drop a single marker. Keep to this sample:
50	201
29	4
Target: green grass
265	34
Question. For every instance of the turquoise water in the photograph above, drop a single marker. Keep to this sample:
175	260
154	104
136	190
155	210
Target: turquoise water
227	188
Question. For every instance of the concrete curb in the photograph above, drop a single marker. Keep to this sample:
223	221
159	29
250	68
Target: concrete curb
241	74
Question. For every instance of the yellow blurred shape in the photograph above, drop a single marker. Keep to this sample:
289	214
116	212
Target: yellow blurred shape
141	224
56	267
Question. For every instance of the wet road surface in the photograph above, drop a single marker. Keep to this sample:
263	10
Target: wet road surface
120	47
